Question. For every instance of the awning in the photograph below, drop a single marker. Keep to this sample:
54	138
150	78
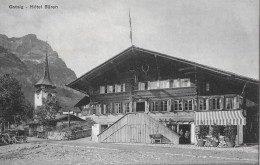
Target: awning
220	118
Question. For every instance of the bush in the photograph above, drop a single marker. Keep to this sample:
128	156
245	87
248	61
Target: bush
230	132
204	130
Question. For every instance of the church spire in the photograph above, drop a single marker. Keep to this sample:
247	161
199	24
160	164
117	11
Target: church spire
46	79
46	69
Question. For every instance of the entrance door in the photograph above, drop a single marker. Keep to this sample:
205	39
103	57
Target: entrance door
184	131
140	106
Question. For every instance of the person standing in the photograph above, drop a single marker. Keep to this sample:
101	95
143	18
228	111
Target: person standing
187	137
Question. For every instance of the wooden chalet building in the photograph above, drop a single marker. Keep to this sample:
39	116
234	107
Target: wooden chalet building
139	94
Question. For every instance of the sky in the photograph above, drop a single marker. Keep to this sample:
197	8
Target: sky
219	33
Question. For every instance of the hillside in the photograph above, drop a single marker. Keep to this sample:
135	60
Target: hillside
24	58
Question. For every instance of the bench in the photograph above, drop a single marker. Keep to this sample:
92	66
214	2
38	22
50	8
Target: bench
156	138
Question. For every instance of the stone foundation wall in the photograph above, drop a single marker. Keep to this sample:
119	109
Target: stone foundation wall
53	135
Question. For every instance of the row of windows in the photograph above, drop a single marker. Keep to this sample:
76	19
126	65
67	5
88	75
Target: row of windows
112	108
112	88
172	105
161	84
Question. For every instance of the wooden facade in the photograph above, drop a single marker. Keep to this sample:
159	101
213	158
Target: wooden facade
163	89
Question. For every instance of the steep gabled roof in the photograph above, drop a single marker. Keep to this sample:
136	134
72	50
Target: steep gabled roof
134	48
46	79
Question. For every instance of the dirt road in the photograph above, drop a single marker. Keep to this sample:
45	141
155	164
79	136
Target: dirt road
82	151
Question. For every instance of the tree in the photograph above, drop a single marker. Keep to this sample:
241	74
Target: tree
13	105
47	111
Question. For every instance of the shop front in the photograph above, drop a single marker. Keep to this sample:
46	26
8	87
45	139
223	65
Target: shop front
221	124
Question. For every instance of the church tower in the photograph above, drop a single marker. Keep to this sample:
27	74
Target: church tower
44	87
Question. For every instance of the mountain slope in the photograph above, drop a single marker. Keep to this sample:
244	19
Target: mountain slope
24	58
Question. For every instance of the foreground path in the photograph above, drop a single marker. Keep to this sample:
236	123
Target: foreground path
85	152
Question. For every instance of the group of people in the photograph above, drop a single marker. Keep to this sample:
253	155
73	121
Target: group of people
185	137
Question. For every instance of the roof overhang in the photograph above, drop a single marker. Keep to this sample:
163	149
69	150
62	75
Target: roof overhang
85	79
84	101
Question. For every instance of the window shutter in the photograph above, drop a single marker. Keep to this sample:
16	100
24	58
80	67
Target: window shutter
120	89
93	111
123	87
168	105
193	104
236	103
130	107
104	108
112	110
221	101
210	103
207	104
167	84
116	88
159	105
147	106
161	84
97	110
151	106
188	83
123	108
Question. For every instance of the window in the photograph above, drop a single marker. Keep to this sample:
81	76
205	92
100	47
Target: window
104	109
176	83
109	89
118	108
127	107
229	103
153	85
154	106
203	104
185	82
117	88
188	104
102	89
141	86
178	105
216	103
122	88
98	109
163	105
164	84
